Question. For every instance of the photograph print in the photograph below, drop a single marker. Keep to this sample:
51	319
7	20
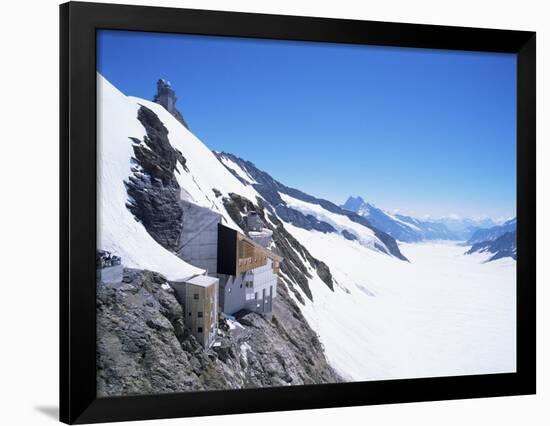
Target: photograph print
281	213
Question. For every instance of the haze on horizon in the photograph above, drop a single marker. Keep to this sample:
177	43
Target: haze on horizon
426	132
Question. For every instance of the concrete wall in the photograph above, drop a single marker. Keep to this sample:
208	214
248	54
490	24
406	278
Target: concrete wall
198	243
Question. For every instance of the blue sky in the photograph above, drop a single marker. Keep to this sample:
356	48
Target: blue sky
427	132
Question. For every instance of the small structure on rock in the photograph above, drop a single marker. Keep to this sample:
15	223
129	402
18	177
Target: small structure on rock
166	96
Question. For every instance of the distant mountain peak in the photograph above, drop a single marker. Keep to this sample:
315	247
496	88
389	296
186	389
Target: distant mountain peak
401	227
354	203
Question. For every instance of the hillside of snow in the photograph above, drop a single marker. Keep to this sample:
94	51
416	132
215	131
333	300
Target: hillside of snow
441	314
118	231
205	177
377	315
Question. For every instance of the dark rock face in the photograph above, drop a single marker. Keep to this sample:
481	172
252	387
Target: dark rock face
301	220
286	245
144	348
503	246
269	188
152	188
349	236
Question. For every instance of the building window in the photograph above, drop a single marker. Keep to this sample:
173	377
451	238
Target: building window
189	313
199	329
196	296
199	314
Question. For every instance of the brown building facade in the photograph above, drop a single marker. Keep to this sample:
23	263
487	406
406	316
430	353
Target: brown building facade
199	298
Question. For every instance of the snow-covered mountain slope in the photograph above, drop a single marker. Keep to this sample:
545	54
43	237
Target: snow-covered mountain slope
151	158
492	233
308	212
430	230
504	245
118	231
385	318
441	314
401	227
463	227
120	133
377	315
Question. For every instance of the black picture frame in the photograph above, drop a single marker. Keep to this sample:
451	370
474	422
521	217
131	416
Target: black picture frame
78	24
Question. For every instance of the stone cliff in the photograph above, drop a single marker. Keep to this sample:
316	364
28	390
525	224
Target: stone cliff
143	347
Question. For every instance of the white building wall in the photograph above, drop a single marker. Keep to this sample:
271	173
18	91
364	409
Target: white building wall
234	292
264	289
254	290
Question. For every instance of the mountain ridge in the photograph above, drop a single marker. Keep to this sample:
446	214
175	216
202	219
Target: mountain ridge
271	189
401	227
492	233
504	245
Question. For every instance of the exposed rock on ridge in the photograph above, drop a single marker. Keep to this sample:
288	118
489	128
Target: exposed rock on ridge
153	189
503	246
143	347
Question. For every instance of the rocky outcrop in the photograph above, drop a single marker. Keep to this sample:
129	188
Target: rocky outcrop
152	187
503	246
144	348
348	235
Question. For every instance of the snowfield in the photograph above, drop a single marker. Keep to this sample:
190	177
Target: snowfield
442	314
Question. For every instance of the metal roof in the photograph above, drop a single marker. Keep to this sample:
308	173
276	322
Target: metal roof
202	281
